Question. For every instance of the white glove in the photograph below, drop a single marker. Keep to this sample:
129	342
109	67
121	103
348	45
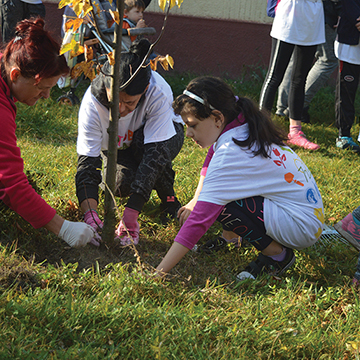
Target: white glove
77	234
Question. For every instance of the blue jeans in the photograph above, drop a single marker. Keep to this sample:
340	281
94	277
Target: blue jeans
326	63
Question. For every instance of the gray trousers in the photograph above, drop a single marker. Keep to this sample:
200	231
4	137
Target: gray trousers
326	63
13	11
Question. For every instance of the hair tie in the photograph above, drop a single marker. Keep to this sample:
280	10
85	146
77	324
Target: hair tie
197	98
17	38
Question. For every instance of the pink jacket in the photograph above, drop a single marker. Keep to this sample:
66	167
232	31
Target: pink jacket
15	190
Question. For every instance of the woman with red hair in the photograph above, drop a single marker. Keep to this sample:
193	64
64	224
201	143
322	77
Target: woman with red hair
30	67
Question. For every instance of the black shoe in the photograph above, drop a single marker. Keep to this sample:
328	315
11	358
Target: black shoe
266	265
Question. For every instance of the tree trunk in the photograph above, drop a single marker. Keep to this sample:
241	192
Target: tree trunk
108	232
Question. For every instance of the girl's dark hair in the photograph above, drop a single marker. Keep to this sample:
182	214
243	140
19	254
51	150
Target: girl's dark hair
129	62
34	51
219	95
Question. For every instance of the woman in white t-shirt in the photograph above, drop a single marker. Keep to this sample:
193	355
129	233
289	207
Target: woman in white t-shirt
252	183
150	136
298	28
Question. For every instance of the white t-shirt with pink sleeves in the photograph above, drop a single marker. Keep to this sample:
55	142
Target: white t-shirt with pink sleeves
293	208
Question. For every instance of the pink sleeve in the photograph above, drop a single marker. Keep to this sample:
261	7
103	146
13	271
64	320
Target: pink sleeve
15	190
199	221
207	160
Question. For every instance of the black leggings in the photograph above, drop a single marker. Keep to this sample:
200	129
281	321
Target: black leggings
245	218
346	86
280	56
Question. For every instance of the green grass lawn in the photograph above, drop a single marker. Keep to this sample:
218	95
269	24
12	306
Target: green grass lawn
62	303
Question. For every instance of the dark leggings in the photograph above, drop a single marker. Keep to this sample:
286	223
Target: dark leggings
280	56
346	86
245	218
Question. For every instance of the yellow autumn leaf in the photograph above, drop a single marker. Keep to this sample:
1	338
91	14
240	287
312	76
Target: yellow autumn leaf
81	7
86	9
76	50
172	3
67	47
76	71
353	344
162	4
90	73
84	67
170	60
115	16
153	65
164	64
74	23
64	3
78	8
111	58
164	61
89	53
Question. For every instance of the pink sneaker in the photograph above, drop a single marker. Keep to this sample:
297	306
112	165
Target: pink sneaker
299	139
124	237
349	230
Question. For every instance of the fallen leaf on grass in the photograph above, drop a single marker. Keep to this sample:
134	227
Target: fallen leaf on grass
353	345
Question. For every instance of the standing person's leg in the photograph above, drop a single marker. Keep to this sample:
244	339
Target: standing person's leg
326	63
283	91
279	60
303	59
35	10
346	86
12	12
